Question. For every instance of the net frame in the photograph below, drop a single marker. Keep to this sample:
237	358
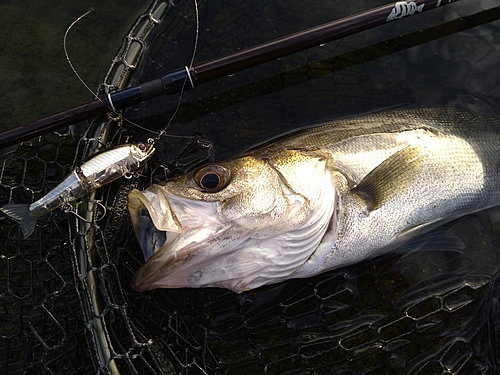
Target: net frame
235	333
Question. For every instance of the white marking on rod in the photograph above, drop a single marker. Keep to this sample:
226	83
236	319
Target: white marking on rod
111	103
402	9
189	76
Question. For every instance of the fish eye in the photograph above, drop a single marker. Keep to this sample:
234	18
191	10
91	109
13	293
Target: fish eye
142	146
212	178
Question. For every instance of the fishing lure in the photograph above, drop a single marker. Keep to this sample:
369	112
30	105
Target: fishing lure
102	169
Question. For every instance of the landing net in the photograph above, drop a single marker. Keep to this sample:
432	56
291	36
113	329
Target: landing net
66	305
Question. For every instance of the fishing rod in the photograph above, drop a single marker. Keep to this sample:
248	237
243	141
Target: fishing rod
190	77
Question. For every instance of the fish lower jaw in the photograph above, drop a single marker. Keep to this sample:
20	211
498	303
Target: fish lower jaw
165	273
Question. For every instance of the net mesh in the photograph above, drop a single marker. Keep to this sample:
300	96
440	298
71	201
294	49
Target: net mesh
65	301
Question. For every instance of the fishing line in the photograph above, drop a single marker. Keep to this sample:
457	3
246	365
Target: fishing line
172	82
111	106
67	55
94	94
179	102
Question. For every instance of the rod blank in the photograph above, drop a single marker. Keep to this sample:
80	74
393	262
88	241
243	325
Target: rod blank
173	82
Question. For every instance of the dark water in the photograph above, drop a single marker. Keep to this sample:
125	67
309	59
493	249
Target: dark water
35	76
388	67
428	312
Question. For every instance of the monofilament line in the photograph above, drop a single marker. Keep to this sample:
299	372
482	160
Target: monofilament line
195	48
67	56
111	105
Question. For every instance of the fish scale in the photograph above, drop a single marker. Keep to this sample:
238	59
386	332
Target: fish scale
358	188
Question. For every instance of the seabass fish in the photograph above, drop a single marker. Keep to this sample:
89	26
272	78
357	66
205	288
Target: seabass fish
322	198
102	169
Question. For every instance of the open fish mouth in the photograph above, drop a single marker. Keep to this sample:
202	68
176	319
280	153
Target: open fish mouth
183	241
187	243
236	225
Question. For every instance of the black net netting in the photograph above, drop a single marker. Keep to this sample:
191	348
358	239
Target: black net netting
66	305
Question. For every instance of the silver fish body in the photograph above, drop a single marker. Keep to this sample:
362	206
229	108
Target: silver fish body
100	170
322	198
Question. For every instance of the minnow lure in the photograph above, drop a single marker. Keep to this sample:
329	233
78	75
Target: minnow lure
102	169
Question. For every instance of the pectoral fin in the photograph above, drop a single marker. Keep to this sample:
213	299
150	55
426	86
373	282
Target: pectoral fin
437	240
391	177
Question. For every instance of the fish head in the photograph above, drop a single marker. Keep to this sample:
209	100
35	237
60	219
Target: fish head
239	224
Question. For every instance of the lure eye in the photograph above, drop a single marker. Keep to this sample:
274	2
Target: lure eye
212	178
